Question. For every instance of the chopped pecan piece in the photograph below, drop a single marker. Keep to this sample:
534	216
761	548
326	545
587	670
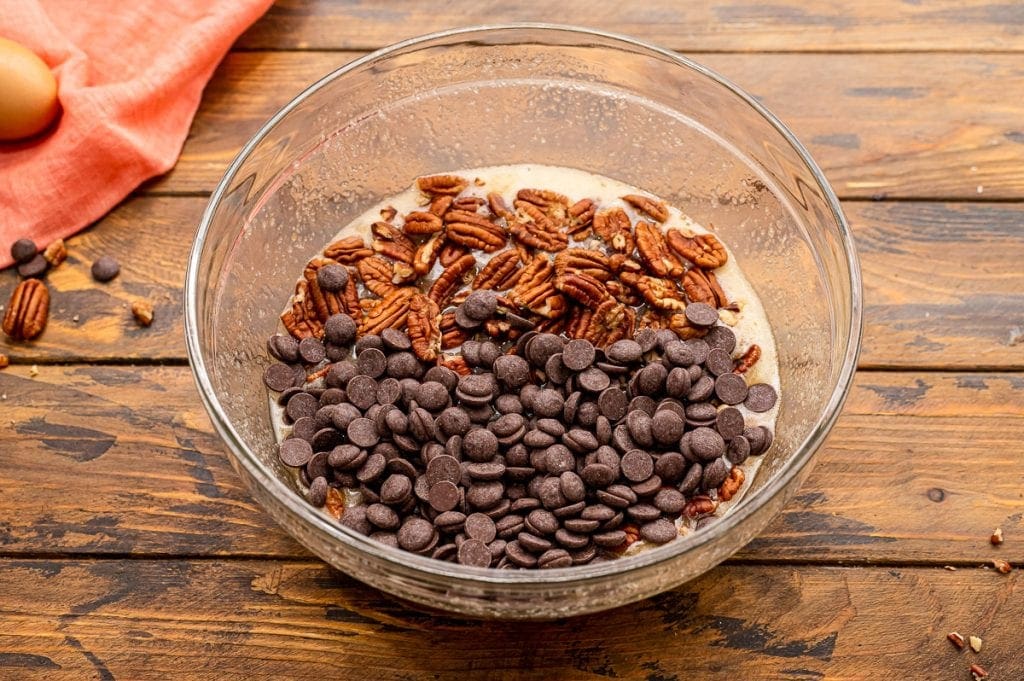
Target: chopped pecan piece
392	243
451	279
554	325
653	207
456	363
583	288
420	222
622	293
704	250
426	254
468	203
583	261
581	218
452	335
700	506
474	231
440	205
450	253
348	251
27	310
650	244
451	185
614	227
424	327
377	275
404	274
142	310
620	262
748	359
55	253
701	286
684	329
390	312
732	484
659	293
498	206
388	213
497	328
652	319
498	272
535	229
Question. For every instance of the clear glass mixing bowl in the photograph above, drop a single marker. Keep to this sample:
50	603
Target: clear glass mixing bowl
523	94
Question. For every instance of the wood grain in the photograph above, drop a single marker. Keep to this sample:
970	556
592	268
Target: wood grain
733	25
122	460
970	316
899	125
250	619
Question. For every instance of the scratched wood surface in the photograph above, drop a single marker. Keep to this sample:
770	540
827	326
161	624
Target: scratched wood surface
129	548
969	316
301	620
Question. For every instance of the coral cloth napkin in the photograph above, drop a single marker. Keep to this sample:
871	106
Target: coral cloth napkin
130	75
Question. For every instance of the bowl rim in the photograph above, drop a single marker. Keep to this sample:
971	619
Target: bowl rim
287	497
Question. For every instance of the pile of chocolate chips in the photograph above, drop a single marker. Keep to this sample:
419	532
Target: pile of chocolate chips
552	454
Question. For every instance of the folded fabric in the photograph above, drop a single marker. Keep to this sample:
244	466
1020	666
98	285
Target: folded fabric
130	76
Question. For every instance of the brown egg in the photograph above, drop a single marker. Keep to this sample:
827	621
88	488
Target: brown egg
28	92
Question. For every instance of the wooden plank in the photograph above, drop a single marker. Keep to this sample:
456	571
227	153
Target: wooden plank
733	25
100	460
971	316
145	619
901	125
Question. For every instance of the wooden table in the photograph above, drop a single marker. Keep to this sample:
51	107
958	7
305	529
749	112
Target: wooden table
129	550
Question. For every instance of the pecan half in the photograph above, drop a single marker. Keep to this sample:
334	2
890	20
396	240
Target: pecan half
498	272
440	205
301	319
392	243
452	335
748	359
653	207
426	254
659	293
388	213
614	228
535	229
474	231
424	327
441	184
684	329
456	363
555	325
732	484
536	291
620	262
350	297
377	275
421	222
622	293
27	311
704	250
583	261
324	303
650	244
404	274
702	286
451	279
468	203
348	251
699	506
390	312
577	321
615	322
581	219
583	288
498	206
450	253
554	205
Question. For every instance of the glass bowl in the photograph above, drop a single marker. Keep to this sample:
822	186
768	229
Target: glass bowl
523	94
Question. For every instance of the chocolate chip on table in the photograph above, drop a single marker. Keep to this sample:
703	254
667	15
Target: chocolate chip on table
760	398
23	250
732	389
332	278
105	268
35	267
295	452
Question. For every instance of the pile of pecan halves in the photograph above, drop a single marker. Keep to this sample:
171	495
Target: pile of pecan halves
633	275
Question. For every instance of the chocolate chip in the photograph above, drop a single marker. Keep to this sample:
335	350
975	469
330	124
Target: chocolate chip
660	531
283	348
318	491
578	354
679	354
402	365
738	450
613	403
340	329
541	347
691	481
362	432
332	278
555	369
362	391
678	382
729	423
610	540
732	389
669	501
639	425
311	350
339	374
301	405
651	379
554	558
23	250
719	362
598	475
443	496
280	377
485	494
474	553
354	519
706	444
624	351
699	348
637	465
643	403
667	427
415	534
450	521
480	445
480	527
594	380
703	388
105	268
480	305
371	362
396	490
670	467
643	513
383	516
395	340
616	496
760	398
715	474
453	421
295	452
558	459
547	403
701	314
721	337
519	556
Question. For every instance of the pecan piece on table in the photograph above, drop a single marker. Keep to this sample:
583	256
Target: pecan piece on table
450	185
389	312
451	279
27	310
704	250
659	293
581	219
748	359
377	275
701	286
421	222
584	261
348	251
653	207
498	272
654	252
614	227
391	242
55	253
388	213
583	288
474	231
427	253
424	327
